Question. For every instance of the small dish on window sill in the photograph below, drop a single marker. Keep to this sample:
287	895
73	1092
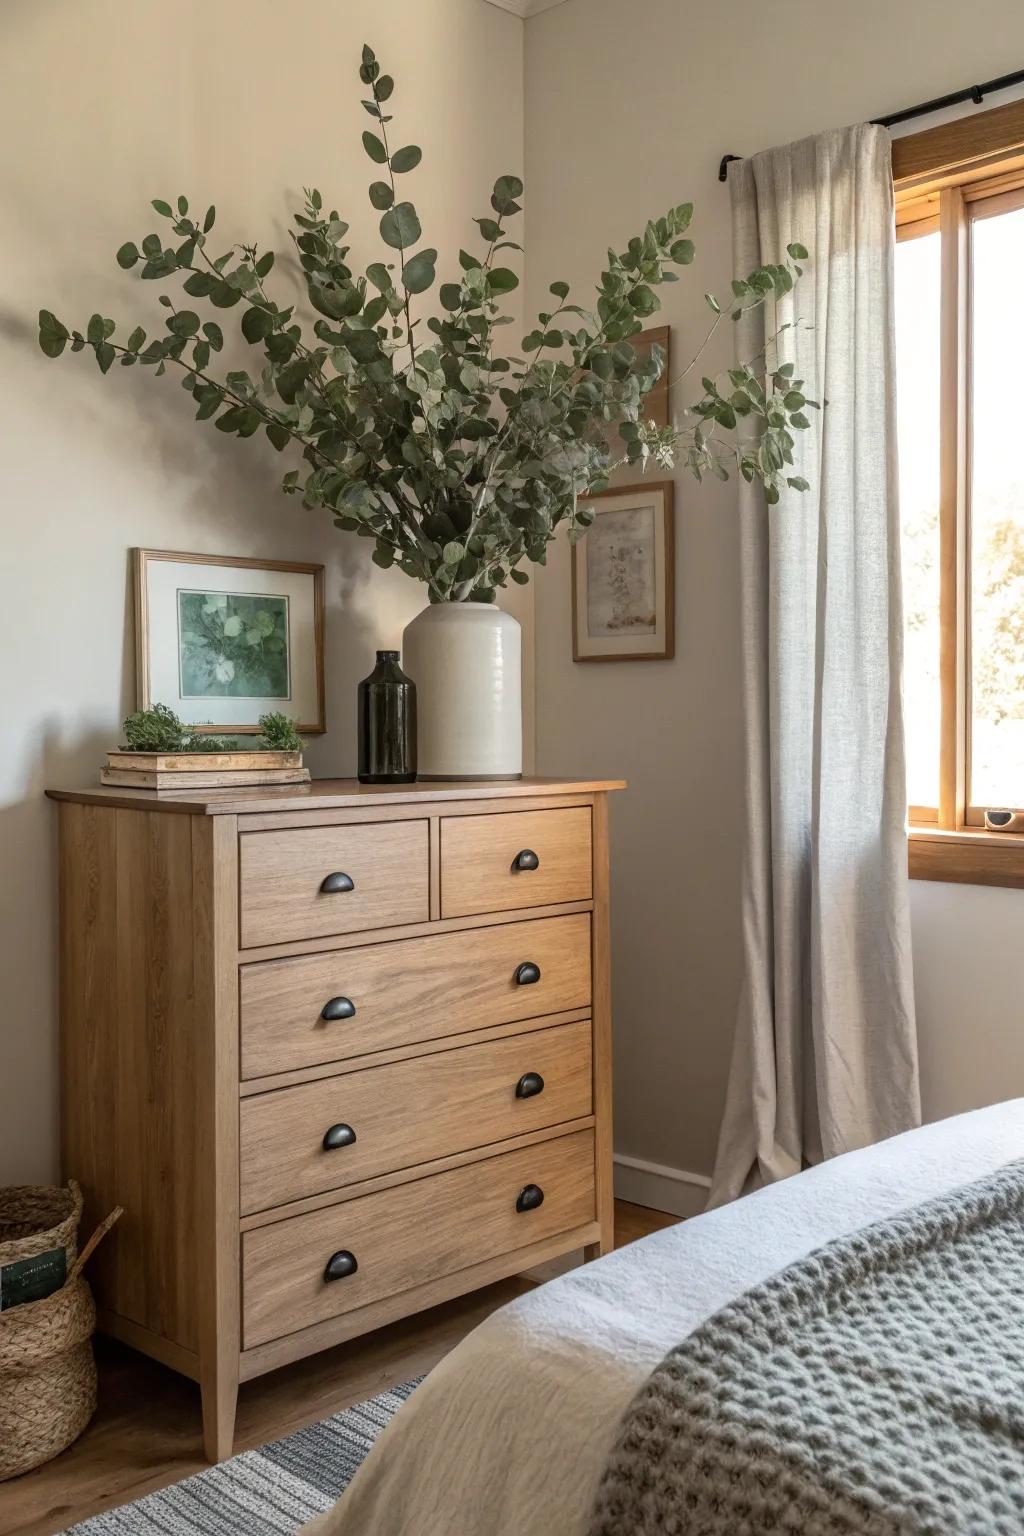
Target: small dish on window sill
1004	821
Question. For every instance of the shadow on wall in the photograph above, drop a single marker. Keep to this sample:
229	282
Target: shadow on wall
65	751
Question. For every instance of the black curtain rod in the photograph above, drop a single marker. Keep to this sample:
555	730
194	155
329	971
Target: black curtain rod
975	93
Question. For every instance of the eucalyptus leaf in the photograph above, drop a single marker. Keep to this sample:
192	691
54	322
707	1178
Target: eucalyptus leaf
406	159
502	280
400	226
419	271
53	336
506	190
184	323
374	148
257	324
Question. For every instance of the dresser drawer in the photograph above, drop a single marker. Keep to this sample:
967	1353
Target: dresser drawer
408	1236
412	989
309	882
408	1113
514	859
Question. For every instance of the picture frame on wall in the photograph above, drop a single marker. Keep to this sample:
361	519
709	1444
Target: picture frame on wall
655	405
222	639
623	576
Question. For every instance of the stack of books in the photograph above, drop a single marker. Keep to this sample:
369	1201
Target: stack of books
185	771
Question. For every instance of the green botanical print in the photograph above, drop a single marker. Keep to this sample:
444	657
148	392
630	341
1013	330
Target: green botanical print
233	646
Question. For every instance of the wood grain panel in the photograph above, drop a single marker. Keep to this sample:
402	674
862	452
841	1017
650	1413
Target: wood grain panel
967	858
255	1085
129	1056
408	1236
602	1027
477	854
409	931
414	989
281	875
333	794
935	151
88	1019
334	1197
408	1113
215	887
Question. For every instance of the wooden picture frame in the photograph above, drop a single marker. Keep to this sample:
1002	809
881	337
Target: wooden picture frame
623	600
655	406
281	601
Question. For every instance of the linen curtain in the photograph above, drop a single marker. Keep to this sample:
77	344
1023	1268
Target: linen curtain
825	1053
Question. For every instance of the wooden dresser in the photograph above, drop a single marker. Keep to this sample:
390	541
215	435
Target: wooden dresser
340	1051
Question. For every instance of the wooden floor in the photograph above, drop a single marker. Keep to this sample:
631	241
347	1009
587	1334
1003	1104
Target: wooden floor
146	1432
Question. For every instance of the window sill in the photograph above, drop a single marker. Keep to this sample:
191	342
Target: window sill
966	857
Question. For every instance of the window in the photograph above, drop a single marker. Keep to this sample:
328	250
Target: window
959	336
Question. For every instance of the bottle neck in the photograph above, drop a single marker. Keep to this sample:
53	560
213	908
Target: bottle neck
387	669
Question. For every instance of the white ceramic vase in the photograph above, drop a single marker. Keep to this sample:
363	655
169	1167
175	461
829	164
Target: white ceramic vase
466	662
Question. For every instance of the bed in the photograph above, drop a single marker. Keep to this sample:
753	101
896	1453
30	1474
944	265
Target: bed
512	1431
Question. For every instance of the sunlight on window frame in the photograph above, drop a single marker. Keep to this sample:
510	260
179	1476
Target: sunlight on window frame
951	203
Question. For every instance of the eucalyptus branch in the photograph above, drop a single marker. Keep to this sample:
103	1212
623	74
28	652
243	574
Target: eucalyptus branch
458	463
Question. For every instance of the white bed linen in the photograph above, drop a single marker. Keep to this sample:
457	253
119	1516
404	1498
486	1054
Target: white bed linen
509	1434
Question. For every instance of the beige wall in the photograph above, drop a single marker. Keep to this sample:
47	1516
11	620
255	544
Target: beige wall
628	110
106	105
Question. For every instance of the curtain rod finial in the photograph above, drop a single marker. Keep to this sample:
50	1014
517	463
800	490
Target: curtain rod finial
723	168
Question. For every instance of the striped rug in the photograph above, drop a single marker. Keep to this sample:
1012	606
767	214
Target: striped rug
269	1492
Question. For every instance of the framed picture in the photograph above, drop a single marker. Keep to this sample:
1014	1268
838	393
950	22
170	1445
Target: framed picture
223	640
622	576
655	405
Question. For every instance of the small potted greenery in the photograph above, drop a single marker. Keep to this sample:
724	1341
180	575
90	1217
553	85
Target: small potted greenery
458	458
161	752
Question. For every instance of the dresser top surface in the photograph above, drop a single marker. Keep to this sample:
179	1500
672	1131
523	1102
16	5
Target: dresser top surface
327	794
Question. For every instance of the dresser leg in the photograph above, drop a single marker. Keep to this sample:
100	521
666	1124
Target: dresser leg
605	1244
220	1399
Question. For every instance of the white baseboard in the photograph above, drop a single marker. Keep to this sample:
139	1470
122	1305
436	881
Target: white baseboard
660	1187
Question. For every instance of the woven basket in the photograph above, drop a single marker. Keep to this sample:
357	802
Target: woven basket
35	1218
47	1371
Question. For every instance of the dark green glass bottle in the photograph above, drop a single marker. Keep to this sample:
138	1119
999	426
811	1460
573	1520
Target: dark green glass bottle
387	724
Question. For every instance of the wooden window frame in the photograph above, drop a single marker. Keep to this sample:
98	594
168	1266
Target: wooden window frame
941	177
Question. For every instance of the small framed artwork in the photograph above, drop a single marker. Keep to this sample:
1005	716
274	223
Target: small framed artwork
622	576
655	404
222	640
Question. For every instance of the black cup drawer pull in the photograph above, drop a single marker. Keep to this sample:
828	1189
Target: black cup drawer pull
526	859
526	974
340	1264
338	1008
530	1198
338	1136
338	881
529	1085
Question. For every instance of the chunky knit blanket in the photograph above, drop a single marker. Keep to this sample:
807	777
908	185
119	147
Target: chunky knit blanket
875	1387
